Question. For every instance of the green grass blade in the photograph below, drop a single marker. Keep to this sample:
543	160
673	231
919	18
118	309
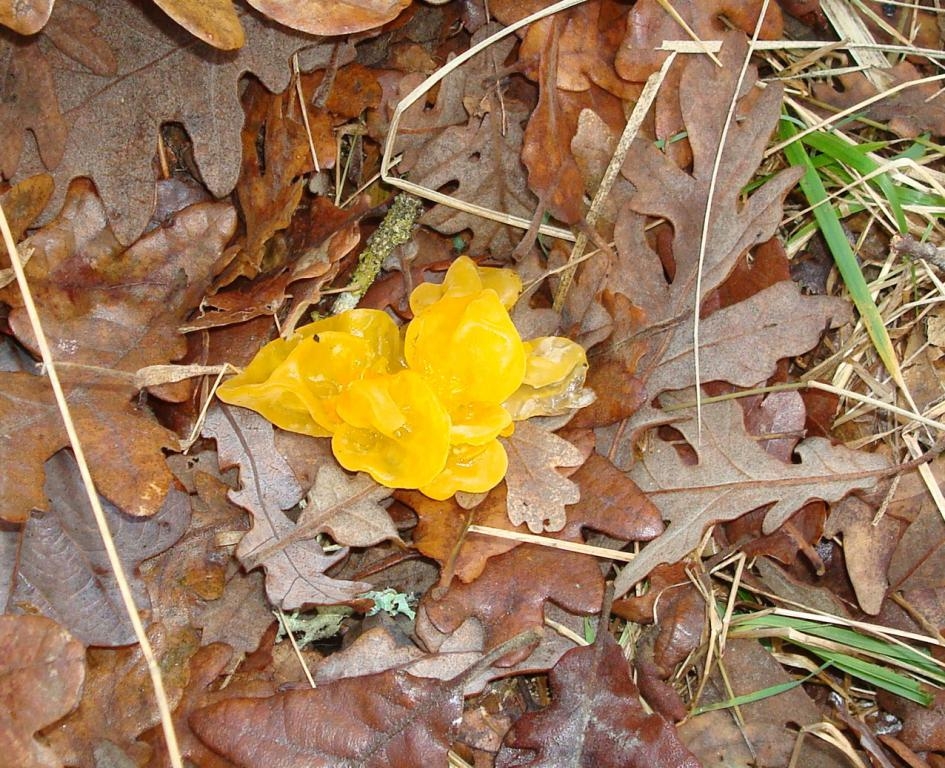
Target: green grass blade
764	693
833	233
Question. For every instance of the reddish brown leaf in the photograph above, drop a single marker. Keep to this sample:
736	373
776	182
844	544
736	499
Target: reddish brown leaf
157	75
509	596
78	268
595	721
207	666
375	721
63	572
295	562
41	672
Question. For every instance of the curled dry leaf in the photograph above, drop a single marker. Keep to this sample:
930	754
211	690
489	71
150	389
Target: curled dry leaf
294	561
42	668
331	17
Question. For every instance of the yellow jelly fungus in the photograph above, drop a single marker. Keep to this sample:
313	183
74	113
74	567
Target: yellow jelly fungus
423	409
469	468
394	428
467	348
465	278
293	382
555	368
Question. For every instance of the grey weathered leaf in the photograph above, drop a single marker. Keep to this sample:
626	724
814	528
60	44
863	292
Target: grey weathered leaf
64	571
734	475
294	561
538	493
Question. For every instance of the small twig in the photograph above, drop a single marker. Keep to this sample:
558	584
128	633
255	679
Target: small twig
395	229
914	249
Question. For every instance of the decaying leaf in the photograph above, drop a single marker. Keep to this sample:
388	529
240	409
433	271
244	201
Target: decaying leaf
482	158
63	571
107	312
537	492
510	595
734	475
375	721
41	672
610	503
117	702
158	74
595	721
294	561
208	665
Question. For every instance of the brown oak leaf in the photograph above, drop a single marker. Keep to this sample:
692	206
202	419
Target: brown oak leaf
510	595
294	560
107	312
375	721
733	475
610	503
537	492
150	71
596	719
660	284
42	668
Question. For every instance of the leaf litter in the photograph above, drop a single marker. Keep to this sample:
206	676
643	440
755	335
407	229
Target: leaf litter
517	129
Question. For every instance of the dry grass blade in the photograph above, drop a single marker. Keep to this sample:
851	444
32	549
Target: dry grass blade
154	671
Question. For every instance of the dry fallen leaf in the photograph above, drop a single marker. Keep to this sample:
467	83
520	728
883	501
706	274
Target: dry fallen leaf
294	560
331	17
734	475
107	312
766	732
63	572
538	493
596	719
482	159
111	114
25	18
41	672
375	721
213	21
